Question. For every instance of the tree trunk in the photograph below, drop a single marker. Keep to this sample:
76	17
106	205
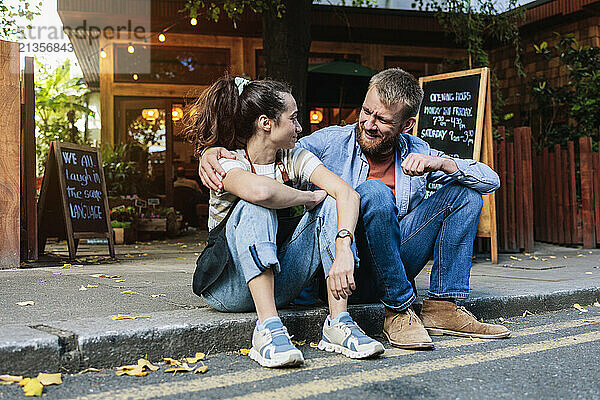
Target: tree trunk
286	44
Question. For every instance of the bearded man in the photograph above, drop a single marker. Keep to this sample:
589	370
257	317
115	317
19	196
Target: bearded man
399	230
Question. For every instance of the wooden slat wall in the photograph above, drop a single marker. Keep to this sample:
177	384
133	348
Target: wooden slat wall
587	192
10	135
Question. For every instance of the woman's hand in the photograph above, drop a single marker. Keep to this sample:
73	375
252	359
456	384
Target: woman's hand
211	172
341	274
317	197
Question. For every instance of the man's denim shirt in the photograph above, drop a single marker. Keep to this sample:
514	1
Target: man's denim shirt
337	148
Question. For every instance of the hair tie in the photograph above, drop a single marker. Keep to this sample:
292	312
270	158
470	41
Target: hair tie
241	83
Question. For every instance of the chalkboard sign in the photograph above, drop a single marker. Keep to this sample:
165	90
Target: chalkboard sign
73	201
452	113
455	117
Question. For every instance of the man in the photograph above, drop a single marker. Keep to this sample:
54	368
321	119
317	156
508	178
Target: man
399	230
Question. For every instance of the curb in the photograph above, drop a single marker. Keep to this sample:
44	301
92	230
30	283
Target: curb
71	346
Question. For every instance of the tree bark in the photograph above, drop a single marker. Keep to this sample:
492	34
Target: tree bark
286	44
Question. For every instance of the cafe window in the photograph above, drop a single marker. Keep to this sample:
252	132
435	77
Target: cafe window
174	65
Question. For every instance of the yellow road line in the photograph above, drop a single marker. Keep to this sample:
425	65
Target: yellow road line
259	373
322	386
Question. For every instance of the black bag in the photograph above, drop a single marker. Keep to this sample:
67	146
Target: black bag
215	257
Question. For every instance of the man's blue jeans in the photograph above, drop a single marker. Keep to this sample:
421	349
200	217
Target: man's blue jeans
393	252
251	237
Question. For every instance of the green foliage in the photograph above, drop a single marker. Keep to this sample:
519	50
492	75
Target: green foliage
570	111
123	215
234	9
56	94
123	176
118	224
11	12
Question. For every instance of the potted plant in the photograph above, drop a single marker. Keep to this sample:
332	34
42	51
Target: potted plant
123	223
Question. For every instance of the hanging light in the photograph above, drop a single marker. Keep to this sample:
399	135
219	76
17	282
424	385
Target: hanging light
130	48
135	77
316	116
150	114
162	37
194	21
177	113
102	53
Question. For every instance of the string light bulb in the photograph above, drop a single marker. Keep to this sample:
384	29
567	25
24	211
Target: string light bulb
130	48
102	53
194	21
162	37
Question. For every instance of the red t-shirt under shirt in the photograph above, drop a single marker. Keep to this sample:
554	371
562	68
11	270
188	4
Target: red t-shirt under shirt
383	170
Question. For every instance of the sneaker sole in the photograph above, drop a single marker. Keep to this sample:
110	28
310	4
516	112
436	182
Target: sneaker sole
331	347
440	332
293	359
410	346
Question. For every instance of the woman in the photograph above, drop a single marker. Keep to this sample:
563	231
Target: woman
271	259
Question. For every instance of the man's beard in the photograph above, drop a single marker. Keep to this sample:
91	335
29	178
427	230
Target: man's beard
381	149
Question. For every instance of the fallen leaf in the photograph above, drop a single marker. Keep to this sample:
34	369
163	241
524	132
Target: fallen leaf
82	288
551	256
49	379
33	387
516	258
132	370
57	273
580	255
193	360
596	304
171	361
105	276
42	281
183	368
158	295
299	342
77	265
564	256
507	265
25	303
147	364
24	381
125	316
119	280
88	370
588	273
129	292
66	266
11	378
92	286
544	259
313	345
244	352
578	307
527	312
201	370
591	321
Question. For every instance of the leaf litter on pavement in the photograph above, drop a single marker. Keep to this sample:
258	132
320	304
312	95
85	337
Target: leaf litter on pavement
33	386
144	367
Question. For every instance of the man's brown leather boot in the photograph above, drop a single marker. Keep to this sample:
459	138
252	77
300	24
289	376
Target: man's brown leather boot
446	318
405	330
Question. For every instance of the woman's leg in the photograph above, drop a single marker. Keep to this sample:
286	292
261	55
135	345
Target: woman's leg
263	294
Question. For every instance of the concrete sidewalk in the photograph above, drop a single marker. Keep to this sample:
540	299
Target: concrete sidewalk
69	327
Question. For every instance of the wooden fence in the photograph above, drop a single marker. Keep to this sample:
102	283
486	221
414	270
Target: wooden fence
551	197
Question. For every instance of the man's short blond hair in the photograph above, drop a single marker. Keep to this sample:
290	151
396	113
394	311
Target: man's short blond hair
394	85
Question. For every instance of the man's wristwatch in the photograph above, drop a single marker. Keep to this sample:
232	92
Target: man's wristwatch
343	233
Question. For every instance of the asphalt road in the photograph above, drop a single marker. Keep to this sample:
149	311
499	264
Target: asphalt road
551	356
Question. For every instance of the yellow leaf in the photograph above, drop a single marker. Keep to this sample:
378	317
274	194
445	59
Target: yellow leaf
82	288
137	370
33	388
596	304
119	280
527	312
26	303
299	342
129	292
516	258
66	266
11	378
201	370
122	316
78	265
49	379
171	361
588	273
127	367
551	256
147	364
158	295
578	307
244	352
24	381
313	345
92	286
195	359
57	273
88	370
183	368
591	321
42	281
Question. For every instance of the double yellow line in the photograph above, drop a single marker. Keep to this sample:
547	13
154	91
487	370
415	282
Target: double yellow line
323	386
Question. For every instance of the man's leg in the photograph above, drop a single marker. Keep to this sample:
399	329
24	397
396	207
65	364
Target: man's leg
382	274
445	225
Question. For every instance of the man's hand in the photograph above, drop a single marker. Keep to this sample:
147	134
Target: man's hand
317	197
416	164
341	274
211	172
